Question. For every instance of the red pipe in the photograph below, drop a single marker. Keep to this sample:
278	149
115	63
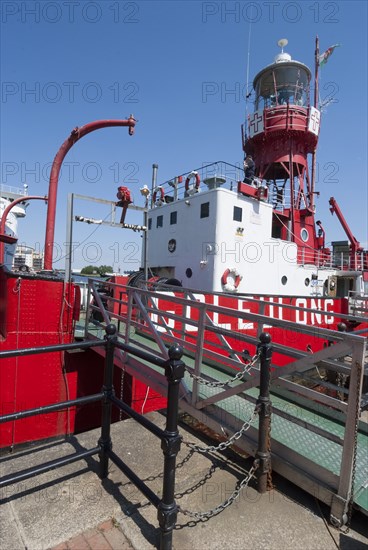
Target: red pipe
5	215
75	135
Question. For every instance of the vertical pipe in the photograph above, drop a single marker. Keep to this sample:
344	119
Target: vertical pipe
316	67
69	238
145	240
292	193
154	181
263	454
170	444
176	183
88	308
74	136
108	390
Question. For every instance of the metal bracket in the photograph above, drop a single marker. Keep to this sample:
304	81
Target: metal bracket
170	445
167	516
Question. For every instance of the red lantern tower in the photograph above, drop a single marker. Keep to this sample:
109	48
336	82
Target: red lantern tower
282	131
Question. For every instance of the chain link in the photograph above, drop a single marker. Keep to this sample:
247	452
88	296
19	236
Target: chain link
121	392
226	503
219	384
224	444
340	382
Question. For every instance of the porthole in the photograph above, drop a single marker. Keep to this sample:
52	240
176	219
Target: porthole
307	282
189	273
304	235
284	280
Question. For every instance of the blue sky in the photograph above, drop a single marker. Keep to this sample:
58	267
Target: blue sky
66	63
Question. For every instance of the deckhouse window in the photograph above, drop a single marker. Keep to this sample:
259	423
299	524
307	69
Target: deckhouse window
160	221
173	218
238	214
205	210
149	223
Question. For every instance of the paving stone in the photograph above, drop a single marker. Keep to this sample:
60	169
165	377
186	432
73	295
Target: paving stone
117	540
97	541
78	543
71	505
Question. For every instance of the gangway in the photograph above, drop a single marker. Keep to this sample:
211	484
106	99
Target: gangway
319	439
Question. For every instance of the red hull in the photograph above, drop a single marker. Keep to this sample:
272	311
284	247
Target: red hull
36	312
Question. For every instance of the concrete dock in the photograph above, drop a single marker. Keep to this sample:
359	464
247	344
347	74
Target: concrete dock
70	508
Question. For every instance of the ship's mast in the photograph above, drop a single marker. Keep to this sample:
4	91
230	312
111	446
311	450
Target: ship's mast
316	93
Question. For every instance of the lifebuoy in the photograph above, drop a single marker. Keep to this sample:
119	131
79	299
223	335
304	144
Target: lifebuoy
160	190
197	180
234	281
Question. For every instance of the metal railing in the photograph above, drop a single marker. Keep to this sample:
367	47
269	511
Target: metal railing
286	117
218	341
358	304
9	189
170	439
174	370
229	175
330	260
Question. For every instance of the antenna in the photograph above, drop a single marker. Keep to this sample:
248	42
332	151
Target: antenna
282	43
247	82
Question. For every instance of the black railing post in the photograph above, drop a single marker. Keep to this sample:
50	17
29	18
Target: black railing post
263	455
108	390
170	444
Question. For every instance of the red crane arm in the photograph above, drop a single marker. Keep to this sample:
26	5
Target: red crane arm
355	244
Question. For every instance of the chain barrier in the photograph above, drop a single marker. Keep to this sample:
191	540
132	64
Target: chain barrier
226	503
218	384
340	382
121	391
224	444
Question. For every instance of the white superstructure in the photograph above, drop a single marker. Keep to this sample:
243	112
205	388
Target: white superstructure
7	195
218	239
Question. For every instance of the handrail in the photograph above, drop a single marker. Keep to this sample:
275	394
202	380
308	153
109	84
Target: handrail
297	380
170	438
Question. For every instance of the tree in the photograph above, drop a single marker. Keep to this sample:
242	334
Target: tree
90	270
99	271
103	269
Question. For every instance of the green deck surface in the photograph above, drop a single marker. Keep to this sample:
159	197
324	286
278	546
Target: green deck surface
313	446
